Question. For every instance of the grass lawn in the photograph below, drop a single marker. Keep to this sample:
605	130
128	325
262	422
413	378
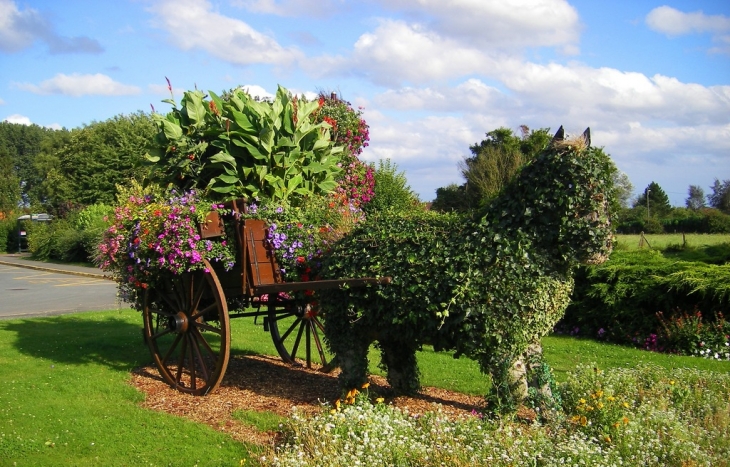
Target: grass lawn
65	397
661	241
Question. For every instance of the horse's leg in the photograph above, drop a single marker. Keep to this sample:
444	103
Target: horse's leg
353	361
399	360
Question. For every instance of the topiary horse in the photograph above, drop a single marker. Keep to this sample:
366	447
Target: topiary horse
487	286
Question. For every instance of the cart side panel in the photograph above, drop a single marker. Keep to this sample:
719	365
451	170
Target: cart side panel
261	264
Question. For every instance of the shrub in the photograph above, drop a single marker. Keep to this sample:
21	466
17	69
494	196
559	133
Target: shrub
622	296
688	334
8	235
391	189
92	221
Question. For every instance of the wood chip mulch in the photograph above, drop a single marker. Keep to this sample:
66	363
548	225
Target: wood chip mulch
261	383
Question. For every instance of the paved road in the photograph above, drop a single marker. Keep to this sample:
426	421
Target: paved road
28	292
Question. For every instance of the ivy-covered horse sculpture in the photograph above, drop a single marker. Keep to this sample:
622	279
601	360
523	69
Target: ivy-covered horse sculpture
488	286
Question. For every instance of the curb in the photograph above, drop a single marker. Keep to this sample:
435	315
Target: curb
58	271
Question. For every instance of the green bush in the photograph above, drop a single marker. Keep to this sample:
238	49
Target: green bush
619	300
92	222
58	240
391	190
40	240
8	235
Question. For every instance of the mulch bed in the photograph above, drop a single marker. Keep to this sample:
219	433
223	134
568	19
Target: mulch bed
261	383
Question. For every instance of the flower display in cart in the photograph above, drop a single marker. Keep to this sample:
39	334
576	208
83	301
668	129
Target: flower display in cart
300	237
158	233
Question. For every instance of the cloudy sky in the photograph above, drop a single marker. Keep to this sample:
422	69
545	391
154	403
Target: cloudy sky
651	79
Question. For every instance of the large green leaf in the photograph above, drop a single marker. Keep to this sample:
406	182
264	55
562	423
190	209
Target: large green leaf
243	122
172	131
327	186
224	158
194	108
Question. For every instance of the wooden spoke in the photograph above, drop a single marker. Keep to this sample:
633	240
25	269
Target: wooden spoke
309	328
183	316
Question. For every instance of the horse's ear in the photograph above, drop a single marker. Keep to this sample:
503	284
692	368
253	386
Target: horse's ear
560	135
587	137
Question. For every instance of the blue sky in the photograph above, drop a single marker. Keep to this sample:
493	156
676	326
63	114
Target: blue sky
651	79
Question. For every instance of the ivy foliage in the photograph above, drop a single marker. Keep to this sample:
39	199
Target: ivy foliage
486	285
239	147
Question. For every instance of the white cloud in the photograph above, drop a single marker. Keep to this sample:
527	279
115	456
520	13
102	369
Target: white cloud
397	52
472	95
192	24
506	24
19	119
294	8
20	29
673	22
77	85
2	102
607	94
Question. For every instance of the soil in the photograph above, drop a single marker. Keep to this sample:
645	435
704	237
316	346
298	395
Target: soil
261	383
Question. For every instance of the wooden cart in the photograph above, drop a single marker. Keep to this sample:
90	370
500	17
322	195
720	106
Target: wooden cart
187	318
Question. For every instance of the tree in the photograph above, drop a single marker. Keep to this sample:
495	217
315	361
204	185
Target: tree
451	197
658	200
9	182
24	142
623	187
490	170
391	189
97	158
720	197
493	163
696	198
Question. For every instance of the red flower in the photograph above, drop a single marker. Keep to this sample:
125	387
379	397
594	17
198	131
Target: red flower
301	259
213	107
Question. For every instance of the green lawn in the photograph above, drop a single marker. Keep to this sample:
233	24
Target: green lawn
65	397
660	241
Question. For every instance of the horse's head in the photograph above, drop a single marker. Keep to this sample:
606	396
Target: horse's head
562	200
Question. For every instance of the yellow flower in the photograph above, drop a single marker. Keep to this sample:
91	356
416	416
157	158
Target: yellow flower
626	420
379	400
337	404
582	401
599	405
626	404
607	438
365	386
599	394
583	420
333	411
610	398
672	382
616	425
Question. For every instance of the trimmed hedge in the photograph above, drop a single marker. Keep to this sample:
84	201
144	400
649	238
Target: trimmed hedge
619	300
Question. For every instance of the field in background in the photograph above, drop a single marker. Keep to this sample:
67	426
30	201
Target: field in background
661	241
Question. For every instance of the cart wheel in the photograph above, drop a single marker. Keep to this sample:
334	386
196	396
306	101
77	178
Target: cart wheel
187	329
301	323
